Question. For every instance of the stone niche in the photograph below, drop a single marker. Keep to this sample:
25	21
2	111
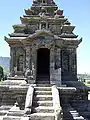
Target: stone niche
17	62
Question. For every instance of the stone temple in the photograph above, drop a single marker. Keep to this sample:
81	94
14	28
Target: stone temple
43	43
43	83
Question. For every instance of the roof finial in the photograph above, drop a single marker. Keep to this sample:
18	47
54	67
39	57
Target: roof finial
43	1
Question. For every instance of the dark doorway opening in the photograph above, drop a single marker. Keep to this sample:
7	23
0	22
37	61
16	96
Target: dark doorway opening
43	63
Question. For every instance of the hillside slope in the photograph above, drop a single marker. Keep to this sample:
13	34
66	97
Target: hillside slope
4	62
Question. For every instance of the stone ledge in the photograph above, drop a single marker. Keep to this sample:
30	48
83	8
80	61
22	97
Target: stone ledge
15	88
13	82
16	78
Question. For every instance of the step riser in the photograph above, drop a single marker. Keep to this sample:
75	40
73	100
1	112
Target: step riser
4	109
43	82
42	98
43	110
42	89
42	118
19	114
11	118
2	113
43	85
43	93
7	102
42	104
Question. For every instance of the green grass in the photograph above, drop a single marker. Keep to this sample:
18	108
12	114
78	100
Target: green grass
87	84
1	81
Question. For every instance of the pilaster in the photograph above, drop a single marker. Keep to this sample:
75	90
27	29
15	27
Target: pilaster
12	61
57	58
34	57
28	55
52	64
73	60
55	66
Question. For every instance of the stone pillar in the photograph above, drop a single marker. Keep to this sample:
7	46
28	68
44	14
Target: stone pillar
57	58
28	73
28	52
58	64
52	64
24	60
30	64
34	57
74	56
73	63
56	71
12	61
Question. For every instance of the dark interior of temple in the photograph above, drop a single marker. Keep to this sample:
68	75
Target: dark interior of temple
43	62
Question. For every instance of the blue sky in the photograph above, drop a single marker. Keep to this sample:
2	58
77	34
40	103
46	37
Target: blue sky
77	11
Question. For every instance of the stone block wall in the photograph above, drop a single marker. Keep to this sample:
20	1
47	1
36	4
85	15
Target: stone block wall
69	94
11	94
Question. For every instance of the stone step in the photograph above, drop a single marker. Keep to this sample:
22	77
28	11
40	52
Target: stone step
79	118
42	109
18	113
71	114
43	77
43	85
7	102
42	103
5	107
43	88
3	112
11	118
14	118
85	113
42	97
43	82
42	116
81	108
80	101
43	92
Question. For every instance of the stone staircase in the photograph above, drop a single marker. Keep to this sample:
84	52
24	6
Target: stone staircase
69	113
83	107
42	108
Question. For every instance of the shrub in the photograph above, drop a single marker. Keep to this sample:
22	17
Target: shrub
1	73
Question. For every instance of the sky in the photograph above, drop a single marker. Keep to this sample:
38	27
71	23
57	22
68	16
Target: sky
77	12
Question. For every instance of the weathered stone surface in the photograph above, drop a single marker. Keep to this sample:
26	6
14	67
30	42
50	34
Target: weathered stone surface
46	33
43	53
29	99
56	103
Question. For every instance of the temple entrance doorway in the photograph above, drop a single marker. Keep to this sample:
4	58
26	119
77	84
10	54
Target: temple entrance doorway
43	65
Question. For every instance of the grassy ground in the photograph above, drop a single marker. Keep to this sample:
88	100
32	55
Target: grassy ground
87	84
1	81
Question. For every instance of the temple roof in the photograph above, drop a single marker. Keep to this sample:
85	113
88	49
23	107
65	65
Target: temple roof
43	2
43	19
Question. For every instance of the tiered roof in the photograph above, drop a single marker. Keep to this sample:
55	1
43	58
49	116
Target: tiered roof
46	13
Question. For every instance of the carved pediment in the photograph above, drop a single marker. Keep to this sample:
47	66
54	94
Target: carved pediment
41	34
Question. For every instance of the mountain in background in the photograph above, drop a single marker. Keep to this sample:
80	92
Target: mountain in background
4	62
